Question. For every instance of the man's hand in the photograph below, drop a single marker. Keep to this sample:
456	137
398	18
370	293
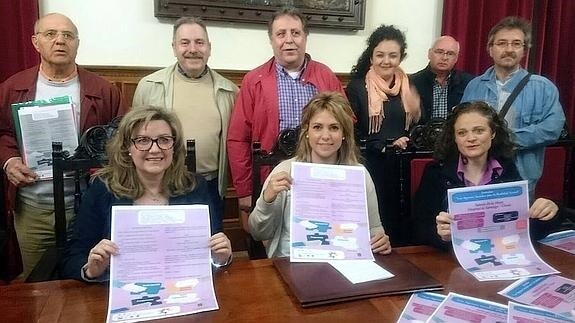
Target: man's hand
18	173
245	206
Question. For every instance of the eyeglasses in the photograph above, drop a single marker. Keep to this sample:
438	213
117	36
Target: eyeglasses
441	52
516	44
145	143
53	34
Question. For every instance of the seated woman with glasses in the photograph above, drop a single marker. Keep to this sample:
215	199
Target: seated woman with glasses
326	137
474	149
146	167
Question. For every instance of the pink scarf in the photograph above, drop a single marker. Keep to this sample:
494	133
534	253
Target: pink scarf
378	91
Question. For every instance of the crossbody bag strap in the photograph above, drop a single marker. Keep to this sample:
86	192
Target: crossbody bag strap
513	95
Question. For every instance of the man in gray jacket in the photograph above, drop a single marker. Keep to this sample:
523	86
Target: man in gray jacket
202	99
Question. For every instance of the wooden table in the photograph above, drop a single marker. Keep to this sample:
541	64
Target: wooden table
252	291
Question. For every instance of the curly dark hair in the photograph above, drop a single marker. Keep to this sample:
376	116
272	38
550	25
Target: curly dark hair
383	32
501	147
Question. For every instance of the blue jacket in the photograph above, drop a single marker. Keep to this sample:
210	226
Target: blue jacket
538	117
93	221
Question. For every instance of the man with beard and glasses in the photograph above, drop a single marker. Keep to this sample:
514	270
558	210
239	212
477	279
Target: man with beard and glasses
95	102
202	99
272	97
535	117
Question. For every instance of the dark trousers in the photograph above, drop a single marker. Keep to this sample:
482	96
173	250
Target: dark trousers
385	173
218	203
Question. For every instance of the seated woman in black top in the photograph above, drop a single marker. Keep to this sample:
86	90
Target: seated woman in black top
146	167
475	148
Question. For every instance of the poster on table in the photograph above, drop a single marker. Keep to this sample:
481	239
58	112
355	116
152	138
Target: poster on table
420	307
460	308
163	268
564	240
553	293
490	232
519	313
328	216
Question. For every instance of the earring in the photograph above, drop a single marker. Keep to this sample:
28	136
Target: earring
129	154
306	136
342	138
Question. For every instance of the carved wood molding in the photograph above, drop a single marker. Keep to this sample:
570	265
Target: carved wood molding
133	74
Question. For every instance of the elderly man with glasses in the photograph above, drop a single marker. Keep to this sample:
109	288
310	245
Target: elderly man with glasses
95	101
439	85
535	116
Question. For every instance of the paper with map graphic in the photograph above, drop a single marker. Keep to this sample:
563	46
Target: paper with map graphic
490	232
328	216
163	268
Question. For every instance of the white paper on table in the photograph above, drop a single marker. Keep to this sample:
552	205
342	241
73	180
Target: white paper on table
360	271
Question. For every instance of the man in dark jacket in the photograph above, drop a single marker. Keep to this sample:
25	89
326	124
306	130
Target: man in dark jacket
439	85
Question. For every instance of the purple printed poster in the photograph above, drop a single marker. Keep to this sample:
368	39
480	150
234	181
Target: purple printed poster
420	307
460	308
564	240
519	313
164	266
490	232
328	216
553	293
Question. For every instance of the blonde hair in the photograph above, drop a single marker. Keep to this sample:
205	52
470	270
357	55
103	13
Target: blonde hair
336	104
120	176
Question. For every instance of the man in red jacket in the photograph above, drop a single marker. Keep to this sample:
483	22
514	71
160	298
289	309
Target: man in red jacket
271	98
30	206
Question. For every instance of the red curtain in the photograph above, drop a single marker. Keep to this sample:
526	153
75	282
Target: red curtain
469	21
554	30
17	20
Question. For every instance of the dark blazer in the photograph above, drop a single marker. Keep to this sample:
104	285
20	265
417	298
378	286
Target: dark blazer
423	82
93	222
431	198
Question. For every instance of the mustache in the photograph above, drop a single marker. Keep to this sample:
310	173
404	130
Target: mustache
194	56
512	55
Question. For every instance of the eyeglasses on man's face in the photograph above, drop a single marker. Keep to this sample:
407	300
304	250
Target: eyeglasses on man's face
515	44
441	52
144	143
53	34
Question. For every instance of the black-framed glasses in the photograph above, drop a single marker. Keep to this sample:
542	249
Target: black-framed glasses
144	143
53	34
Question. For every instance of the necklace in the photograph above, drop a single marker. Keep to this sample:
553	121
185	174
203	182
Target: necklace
154	198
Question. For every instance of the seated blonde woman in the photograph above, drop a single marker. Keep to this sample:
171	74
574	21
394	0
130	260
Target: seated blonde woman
146	167
326	137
